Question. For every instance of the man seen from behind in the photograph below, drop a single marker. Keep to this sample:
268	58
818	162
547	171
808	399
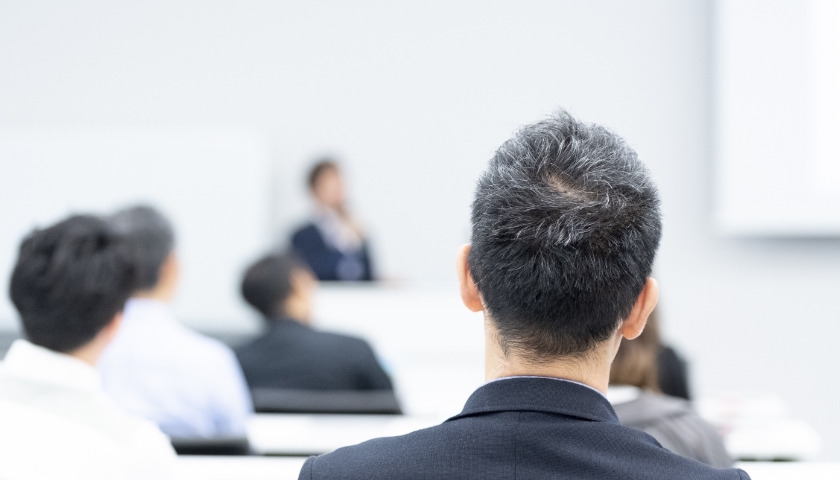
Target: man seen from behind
565	227
157	368
69	286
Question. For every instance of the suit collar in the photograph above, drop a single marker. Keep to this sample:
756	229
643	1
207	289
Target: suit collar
286	323
540	394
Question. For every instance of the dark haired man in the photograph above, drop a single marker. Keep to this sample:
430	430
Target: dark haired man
291	354
565	228
69	285
333	243
189	384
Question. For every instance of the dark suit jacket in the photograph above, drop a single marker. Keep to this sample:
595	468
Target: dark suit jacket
326	261
291	355
518	428
675	425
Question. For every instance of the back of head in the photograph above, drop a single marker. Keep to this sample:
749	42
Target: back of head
70	280
566	225
267	284
636	362
152	237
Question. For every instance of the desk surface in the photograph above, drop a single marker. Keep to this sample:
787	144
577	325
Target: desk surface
238	468
791	470
299	434
287	468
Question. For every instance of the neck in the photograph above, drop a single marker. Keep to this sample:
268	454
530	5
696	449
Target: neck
592	369
159	293
89	353
297	310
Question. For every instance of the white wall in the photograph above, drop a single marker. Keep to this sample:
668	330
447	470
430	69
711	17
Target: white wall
777	114
213	183
416	97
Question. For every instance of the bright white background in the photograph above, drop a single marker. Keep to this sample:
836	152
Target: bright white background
212	183
415	97
778	117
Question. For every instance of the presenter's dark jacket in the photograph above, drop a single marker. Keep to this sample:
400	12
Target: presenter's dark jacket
326	261
291	355
518	428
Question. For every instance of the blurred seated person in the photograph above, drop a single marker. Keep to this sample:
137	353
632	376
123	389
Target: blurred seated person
189	384
637	399
69	286
291	354
333	244
673	373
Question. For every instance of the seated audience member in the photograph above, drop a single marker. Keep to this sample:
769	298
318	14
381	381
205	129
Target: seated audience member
634	394
291	354
69	286
673	373
188	384
333	243
565	226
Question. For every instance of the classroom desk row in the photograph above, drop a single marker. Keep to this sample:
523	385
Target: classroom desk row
301	434
287	468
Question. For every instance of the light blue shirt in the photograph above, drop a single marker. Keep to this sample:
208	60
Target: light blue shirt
189	384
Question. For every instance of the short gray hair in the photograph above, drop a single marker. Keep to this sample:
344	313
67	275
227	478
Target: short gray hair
566	226
152	239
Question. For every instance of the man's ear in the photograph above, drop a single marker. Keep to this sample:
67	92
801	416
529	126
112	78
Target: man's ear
634	324
170	269
469	292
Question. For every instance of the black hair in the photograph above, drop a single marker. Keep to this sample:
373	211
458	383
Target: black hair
566	225
268	282
152	237
320	167
70	280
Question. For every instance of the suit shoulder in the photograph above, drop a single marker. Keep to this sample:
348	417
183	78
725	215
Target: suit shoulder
386	457
442	450
342	340
305	232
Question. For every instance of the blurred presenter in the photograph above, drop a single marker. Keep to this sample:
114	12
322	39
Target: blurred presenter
333	243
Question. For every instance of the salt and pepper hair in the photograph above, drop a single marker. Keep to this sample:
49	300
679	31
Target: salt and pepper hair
152	238
566	225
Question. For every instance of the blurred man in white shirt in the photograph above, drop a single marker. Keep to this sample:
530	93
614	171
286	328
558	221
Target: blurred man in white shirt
69	285
189	384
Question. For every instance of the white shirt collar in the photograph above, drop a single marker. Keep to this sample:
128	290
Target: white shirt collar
147	307
38	364
618	394
549	378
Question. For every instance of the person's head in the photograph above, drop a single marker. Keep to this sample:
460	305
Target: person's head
565	227
636	362
70	283
279	285
326	185
153	240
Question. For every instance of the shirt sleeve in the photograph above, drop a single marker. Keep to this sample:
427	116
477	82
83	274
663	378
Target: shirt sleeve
232	404
151	456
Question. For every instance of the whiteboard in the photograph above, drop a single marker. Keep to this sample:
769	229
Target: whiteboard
777	117
212	183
